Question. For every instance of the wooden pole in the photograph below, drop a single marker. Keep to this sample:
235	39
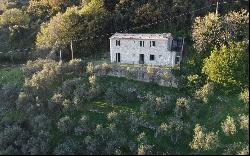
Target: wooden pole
182	48
217	8
60	55
72	51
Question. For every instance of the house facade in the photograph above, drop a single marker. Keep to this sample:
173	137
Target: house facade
150	49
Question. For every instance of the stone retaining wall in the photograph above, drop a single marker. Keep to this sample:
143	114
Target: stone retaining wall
158	75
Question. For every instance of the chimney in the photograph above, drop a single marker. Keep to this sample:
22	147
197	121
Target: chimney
166	35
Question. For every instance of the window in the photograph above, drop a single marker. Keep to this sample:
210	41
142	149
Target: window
117	57
152	43
177	44
152	57
141	43
177	60
174	44
118	42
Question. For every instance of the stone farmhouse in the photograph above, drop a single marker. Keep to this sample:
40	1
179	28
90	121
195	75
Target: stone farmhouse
150	49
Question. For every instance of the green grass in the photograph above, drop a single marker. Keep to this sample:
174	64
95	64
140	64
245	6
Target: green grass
14	116
142	65
216	110
141	86
11	76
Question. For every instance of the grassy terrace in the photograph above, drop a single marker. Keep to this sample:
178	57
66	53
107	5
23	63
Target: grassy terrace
143	65
11	76
129	65
209	115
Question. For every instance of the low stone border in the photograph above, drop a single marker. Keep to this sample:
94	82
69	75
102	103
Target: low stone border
158	75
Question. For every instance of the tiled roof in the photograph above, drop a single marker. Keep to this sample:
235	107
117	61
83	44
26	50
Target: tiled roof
141	36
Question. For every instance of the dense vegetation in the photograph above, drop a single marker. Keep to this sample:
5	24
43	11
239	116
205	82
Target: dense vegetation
51	107
51	25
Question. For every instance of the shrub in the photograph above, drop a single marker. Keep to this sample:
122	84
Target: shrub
40	122
37	145
84	93
8	96
65	124
244	121
243	151
33	67
103	69
57	98
155	104
123	93
83	125
12	137
182	103
193	78
142	139
68	147
134	122
91	144
150	70
25	101
176	128
90	68
68	105
182	106
162	130
44	79
80	94
237	148
145	149
112	116
69	86
244	96
92	80
204	141
193	81
75	67
205	92
228	126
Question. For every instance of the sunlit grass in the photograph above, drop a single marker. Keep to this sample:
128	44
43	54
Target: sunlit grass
11	76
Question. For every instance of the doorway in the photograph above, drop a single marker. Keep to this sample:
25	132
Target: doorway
141	59
118	57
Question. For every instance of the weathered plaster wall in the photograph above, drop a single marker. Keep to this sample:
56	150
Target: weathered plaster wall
130	50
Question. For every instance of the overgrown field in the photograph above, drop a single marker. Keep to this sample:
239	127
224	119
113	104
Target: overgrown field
66	109
11	76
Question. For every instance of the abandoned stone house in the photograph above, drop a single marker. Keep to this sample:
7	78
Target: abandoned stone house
151	49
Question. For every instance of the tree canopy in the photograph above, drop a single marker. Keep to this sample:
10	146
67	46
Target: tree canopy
13	17
229	64
215	29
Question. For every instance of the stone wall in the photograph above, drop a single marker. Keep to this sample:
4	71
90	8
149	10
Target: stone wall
130	51
158	75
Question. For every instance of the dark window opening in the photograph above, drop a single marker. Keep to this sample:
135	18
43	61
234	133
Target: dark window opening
118	57
118	42
177	59
141	59
141	43
177	44
152	57
153	43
